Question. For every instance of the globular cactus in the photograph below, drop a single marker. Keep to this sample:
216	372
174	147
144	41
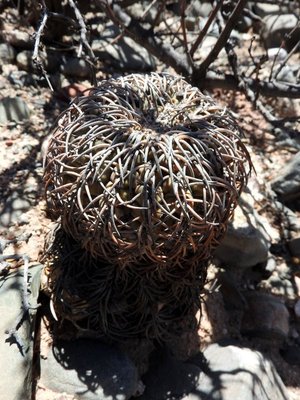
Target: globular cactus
145	169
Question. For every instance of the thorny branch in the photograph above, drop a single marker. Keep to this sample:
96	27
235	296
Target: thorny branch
35	57
84	43
83	33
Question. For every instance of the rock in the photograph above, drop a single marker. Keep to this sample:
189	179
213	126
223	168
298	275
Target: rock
20	78
232	372
265	9
169	378
287	184
7	54
266	317
280	283
286	74
15	206
89	370
278	28
125	54
49	61
270	265
24	60
19	39
246	242
75	67
277	53
199	9
13	109
292	218
16	343
138	8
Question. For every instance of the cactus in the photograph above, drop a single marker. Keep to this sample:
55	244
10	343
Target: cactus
145	169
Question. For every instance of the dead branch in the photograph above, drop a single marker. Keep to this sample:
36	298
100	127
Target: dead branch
201	71
268	89
204	31
185	66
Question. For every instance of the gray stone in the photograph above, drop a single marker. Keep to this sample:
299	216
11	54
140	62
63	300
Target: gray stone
20	78
49	61
286	74
7	54
271	264
14	207
292	218
266	316
246	242
19	39
13	109
76	67
169	378
24	60
199	9
89	370
124	54
265	9
277	53
287	184
17	334
138	8
232	372
281	284
276	29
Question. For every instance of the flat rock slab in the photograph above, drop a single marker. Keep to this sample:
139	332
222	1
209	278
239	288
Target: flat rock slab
266	317
287	183
232	372
17	334
89	370
124	53
7	54
13	109
246	242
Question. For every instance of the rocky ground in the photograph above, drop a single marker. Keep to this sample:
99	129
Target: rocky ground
250	324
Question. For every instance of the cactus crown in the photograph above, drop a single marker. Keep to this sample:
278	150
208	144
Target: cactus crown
145	168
